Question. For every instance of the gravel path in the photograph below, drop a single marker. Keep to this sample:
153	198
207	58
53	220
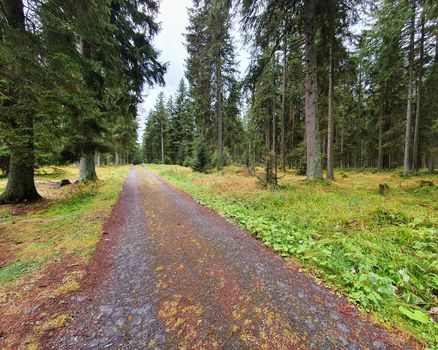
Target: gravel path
178	276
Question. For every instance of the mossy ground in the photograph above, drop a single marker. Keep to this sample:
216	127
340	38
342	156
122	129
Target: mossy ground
381	251
45	246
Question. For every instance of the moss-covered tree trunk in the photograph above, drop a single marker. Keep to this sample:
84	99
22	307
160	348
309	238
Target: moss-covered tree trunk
87	168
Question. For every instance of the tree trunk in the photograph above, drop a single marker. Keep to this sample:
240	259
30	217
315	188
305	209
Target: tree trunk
311	92
14	13
431	162
342	143
331	121
274	145
21	184
268	165
380	147
117	158
415	156
220	137
87	167
283	112
292	132
406	162
359	159
162	139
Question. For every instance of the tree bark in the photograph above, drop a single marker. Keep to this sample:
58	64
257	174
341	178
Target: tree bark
416	146
406	162
342	143
311	92
87	168
430	162
359	159
274	144
220	137
283	113
331	122
380	147
162	139
14	13
117	158
21	184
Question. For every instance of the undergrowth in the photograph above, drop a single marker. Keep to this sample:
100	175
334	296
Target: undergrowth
381	251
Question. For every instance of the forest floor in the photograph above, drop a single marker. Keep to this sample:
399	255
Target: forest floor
169	273
45	248
173	274
380	251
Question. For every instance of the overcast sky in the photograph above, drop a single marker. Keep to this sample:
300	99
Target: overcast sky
170	41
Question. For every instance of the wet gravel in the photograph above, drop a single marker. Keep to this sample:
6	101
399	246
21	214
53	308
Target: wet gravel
182	277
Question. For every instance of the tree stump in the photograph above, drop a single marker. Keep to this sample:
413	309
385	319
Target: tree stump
383	188
63	182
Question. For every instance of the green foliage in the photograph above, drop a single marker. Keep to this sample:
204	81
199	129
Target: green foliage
71	78
200	160
156	133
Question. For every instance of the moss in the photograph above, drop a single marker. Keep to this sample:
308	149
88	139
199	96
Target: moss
55	323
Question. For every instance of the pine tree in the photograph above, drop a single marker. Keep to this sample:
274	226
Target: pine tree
182	127
406	159
211	68
156	136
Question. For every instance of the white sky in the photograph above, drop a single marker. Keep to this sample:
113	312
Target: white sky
170	41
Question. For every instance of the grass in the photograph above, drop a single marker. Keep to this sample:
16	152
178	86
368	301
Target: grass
71	225
381	251
45	248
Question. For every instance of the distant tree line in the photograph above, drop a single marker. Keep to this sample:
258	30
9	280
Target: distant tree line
71	77
332	83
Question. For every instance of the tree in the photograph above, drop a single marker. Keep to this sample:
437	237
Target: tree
181	127
406	159
211	69
19	65
311	93
156	136
416	145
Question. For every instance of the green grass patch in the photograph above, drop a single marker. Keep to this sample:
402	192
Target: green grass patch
72	225
379	250
14	270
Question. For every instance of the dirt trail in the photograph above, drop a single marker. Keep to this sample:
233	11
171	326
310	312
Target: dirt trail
178	276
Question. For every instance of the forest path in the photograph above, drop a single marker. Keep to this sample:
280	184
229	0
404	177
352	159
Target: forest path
172	274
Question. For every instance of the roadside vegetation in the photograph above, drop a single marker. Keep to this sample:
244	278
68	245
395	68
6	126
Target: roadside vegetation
380	250
46	245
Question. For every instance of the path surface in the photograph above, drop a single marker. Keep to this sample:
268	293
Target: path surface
178	276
